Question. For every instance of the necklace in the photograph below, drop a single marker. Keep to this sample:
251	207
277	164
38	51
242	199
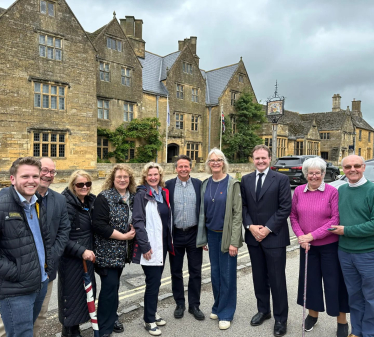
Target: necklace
210	191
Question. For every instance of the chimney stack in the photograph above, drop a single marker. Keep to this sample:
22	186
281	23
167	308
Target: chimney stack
336	103
133	29
356	108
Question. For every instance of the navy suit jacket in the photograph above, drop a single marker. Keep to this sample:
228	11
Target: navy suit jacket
170	185
271	210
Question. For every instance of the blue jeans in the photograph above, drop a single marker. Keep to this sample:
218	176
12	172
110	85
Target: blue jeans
358	272
223	276
19	313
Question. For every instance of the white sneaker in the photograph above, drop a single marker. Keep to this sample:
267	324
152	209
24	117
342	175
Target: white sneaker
159	321
224	325
152	329
213	316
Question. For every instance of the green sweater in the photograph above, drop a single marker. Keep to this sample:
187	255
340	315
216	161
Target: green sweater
356	211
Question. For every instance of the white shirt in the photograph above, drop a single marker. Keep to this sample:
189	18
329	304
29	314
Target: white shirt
263	177
362	181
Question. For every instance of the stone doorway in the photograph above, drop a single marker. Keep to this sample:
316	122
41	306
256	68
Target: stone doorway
173	151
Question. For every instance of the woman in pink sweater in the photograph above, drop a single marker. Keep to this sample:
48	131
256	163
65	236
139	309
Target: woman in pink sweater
314	211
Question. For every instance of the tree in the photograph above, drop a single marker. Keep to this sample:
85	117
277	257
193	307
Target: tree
145	130
249	117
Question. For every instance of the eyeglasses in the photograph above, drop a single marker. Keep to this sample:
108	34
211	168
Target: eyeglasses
81	185
212	161
356	166
122	177
44	170
317	174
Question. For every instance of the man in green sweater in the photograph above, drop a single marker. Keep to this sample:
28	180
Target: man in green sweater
356	244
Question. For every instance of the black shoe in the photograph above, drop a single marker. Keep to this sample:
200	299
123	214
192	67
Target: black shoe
179	311
118	327
106	335
342	330
259	318
71	331
280	329
310	322
198	314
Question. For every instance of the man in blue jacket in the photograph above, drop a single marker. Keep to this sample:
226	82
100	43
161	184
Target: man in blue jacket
25	250
185	205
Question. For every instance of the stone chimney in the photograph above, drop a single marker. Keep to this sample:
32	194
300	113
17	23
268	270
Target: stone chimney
192	43
133	29
356	108
336	102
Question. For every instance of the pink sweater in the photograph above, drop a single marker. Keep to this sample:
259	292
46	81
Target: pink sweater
314	212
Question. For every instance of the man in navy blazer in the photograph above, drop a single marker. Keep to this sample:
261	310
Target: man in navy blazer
266	206
184	193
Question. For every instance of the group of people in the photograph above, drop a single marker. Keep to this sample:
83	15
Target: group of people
42	232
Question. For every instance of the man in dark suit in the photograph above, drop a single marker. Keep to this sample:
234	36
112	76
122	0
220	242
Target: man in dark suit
266	206
185	204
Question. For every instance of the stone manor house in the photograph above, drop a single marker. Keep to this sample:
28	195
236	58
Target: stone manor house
59	83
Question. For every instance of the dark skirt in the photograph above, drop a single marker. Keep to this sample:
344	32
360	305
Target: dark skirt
323	265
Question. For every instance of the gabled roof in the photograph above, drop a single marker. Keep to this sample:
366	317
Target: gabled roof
152	68
167	62
299	129
96	33
217	81
361	123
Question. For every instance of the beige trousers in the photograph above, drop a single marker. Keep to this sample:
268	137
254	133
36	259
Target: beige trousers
42	315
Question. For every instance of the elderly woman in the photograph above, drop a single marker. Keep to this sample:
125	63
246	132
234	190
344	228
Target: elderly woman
72	300
153	226
113	242
314	211
220	226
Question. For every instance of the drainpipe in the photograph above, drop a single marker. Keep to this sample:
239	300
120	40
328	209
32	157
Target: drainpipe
157	97
210	126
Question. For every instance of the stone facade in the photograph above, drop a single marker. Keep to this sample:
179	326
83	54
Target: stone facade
46	106
332	135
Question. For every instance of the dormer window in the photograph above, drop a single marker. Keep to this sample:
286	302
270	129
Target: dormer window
47	7
113	44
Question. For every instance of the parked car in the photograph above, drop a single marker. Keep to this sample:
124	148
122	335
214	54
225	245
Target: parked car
292	167
368	173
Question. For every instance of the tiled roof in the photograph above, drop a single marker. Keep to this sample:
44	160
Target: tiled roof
152	66
94	35
167	62
361	123
327	121
217	81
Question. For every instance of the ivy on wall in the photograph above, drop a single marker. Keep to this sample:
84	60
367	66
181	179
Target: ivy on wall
145	130
249	117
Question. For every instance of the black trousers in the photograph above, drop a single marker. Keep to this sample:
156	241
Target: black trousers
269	272
153	276
108	299
185	242
323	264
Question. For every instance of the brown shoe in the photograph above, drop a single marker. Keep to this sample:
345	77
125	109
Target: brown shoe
352	335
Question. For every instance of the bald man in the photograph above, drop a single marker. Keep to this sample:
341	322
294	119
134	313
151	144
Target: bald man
356	244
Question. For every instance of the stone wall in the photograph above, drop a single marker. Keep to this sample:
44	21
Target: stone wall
104	169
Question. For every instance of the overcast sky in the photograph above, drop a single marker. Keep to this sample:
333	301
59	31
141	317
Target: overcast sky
313	48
